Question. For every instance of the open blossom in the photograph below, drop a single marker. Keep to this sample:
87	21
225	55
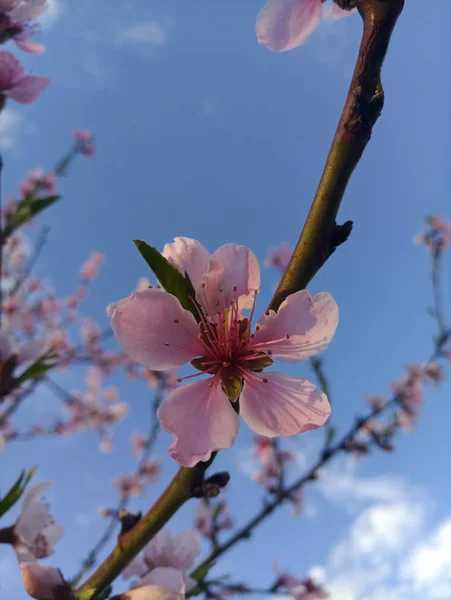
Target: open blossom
35	531
437	236
36	180
285	24
15	84
156	331
40	581
166	550
19	27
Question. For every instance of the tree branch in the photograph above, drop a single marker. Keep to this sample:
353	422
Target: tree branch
362	108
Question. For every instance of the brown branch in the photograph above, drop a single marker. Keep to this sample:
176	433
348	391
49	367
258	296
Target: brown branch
321	235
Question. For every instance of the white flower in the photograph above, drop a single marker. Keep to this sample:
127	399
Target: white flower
35	531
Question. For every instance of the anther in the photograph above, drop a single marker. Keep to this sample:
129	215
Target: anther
267	313
166	343
265	380
176	321
159	287
179	379
287	337
269	352
234	288
257	328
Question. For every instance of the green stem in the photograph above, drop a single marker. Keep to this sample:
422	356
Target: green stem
362	108
129	545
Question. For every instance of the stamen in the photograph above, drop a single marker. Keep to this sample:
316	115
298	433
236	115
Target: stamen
166	343
176	321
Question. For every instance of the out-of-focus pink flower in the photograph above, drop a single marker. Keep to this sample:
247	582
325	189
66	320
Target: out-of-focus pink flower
167	550
85	142
35	531
129	485
162	583
19	27
376	401
437	236
90	268
156	331
302	589
28	352
37	180
285	24
279	257
7	5
15	84
139	443
150	470
40	581
209	518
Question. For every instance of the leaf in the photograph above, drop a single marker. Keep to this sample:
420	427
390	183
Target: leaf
16	491
170	278
26	210
201	572
37	369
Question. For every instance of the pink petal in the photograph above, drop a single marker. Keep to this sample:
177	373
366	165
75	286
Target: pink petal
303	326
7	5
151	592
31	47
28	10
274	404
28	89
188	255
201	419
154	330
335	12
285	24
233	273
167	577
40	580
10	70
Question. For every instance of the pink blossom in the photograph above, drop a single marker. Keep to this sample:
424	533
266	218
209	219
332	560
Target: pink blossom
279	257
19	27
15	84
139	443
35	531
167	550
150	470
40	581
377	401
85	142
37	180
162	583
285	24
156	331
437	236
129	485
302	589
90	269
27	352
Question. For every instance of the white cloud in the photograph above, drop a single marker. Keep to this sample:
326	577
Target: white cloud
146	33
429	565
378	532
10	121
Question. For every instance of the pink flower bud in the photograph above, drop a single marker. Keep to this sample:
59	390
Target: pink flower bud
39	581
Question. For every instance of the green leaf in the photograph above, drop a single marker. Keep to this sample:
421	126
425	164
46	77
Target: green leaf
170	278
201	572
26	210
38	369
16	491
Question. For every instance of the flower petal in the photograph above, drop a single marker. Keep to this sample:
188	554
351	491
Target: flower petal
202	420
285	24
303	326
188	255
154	329
31	47
28	89
28	10
32	350
187	544
166	577
233	273
39	581
151	592
274	404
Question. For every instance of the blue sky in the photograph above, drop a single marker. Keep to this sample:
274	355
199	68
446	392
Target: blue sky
203	133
